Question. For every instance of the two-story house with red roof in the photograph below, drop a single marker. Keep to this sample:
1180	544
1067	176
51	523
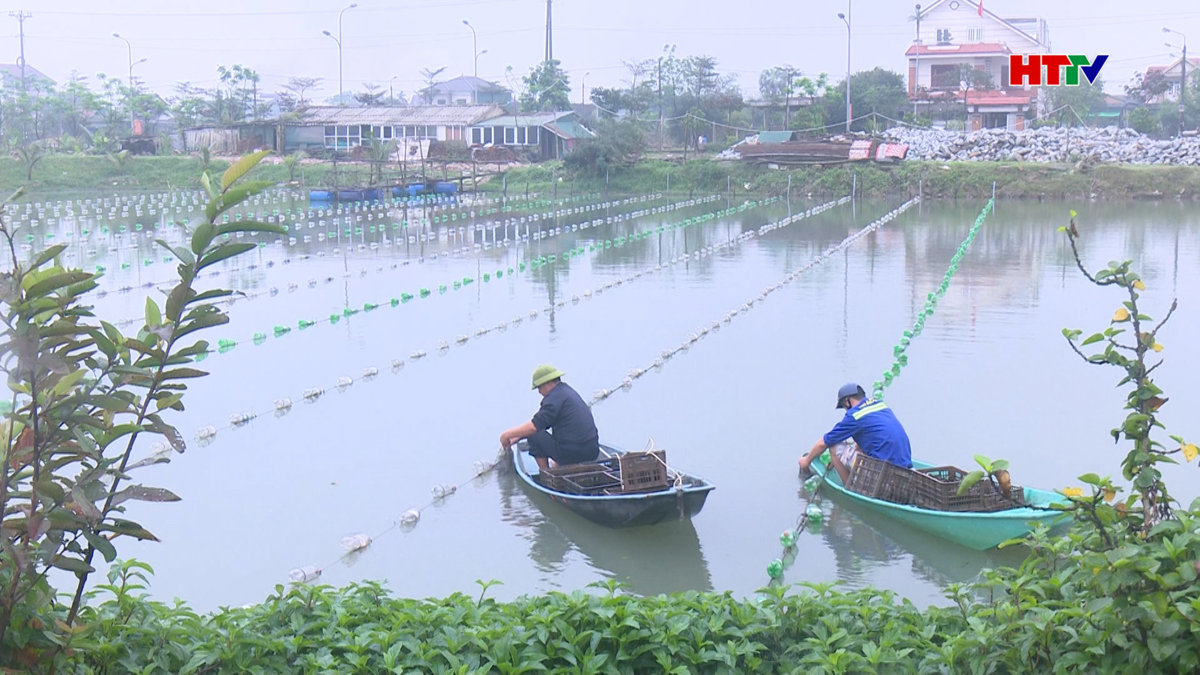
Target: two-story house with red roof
956	35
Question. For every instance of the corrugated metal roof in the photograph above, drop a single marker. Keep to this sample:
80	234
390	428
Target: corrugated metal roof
774	136
394	115
529	120
569	129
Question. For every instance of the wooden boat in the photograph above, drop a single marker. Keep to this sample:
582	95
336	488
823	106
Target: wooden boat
975	530
682	498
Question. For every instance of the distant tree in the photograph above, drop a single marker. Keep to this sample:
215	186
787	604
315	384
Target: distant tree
1071	105
30	155
616	142
1144	121
610	100
371	95
1148	87
871	91
430	77
641	88
776	85
297	86
547	87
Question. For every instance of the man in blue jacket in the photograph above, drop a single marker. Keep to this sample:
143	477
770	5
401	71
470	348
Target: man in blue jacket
575	438
871	424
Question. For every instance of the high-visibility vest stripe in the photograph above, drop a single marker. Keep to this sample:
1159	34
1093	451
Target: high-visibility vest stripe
867	410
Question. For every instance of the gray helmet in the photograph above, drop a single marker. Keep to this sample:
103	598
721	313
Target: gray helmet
849	389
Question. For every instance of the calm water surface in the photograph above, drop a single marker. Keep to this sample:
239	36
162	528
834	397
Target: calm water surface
991	374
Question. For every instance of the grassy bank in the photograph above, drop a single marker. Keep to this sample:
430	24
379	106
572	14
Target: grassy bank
933	179
61	174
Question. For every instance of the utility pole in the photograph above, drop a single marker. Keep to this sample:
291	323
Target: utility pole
917	68
1183	83
1182	77
20	16
549	33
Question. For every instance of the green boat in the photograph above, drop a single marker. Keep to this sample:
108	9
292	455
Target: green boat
975	530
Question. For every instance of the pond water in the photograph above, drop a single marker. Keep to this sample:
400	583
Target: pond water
991	374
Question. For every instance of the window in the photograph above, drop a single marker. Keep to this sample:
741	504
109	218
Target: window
520	135
944	37
943	77
510	135
410	131
476	136
974	35
487	135
342	137
533	136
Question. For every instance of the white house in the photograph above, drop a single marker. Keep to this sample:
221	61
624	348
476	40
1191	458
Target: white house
957	33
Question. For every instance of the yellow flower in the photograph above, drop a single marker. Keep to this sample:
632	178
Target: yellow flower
1156	347
1189	451
1121	315
1139	285
1109	494
1072	492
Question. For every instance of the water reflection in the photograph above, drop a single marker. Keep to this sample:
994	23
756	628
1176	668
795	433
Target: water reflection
863	541
663	558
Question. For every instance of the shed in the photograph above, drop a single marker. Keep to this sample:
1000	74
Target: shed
548	135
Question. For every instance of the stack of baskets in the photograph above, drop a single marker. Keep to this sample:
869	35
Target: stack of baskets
628	473
934	488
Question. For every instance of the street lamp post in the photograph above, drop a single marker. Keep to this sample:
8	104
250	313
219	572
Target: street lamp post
333	37
1182	77
583	89
132	63
338	40
846	20
474	45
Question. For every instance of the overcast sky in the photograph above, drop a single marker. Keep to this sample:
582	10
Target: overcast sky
388	42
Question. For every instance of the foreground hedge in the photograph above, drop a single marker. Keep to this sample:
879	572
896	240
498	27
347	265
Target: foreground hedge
1066	610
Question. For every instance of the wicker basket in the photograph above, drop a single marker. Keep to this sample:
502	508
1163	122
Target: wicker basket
881	480
937	488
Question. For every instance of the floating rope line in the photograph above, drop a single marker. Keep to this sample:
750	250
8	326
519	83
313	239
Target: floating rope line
665	355
931	300
787	539
354	544
458	253
225	344
99	211
284	405
176	234
813	485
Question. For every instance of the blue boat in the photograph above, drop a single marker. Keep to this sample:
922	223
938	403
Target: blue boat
976	530
681	498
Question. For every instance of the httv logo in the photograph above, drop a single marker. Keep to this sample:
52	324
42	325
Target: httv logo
1027	69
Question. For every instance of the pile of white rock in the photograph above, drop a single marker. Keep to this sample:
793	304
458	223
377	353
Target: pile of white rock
1047	144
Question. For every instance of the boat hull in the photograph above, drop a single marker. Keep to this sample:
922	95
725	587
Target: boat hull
676	502
979	531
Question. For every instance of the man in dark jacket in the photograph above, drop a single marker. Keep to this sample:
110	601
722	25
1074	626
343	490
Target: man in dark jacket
575	438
